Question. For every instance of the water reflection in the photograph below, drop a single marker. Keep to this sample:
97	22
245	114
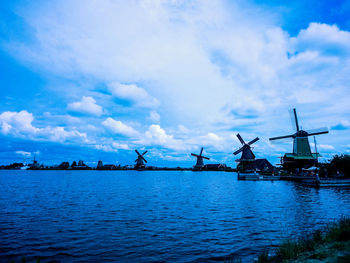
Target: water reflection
154	216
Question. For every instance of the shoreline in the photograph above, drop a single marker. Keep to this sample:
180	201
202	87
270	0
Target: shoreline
328	244
121	169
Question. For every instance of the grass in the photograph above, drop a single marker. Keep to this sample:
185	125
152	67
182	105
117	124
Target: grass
330	244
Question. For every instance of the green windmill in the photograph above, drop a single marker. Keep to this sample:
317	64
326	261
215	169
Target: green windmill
301	157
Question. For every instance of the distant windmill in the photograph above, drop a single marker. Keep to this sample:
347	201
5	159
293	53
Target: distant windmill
302	157
140	161
247	154
247	160
200	158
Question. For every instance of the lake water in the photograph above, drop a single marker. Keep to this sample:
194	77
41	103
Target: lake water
162	216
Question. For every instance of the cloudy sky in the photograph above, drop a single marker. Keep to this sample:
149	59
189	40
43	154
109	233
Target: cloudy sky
97	79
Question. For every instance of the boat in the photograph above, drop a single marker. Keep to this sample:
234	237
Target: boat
25	167
256	175
317	182
247	175
271	177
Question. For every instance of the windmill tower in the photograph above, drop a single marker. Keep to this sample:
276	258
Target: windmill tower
140	161
246	162
301	157
199	164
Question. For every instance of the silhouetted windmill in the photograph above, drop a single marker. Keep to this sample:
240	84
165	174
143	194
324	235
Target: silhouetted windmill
302	157
246	162
140	160
200	157
247	154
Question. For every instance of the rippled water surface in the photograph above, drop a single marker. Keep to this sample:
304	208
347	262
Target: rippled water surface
131	216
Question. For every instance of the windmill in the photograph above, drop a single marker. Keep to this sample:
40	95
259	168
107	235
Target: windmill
200	157
301	157
247	159
140	161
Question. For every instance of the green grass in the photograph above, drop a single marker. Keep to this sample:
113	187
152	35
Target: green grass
331	244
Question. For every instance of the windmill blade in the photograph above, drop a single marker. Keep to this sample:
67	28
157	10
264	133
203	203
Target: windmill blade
144	153
193	154
253	141
281	137
253	155
200	154
322	130
296	119
137	152
136	160
292	120
317	133
238	151
240	138
205	157
143	158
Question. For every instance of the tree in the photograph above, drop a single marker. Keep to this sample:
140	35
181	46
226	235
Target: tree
341	164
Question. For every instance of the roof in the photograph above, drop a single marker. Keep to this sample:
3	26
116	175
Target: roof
214	165
301	157
263	165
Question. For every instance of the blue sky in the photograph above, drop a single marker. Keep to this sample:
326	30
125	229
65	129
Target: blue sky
97	79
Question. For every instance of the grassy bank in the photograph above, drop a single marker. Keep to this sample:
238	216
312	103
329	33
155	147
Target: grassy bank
330	244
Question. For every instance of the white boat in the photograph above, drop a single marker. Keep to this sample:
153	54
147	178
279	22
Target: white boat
270	177
318	182
249	176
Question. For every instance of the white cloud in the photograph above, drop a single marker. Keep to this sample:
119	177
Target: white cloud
60	134
325	147
213	137
87	105
119	127
342	125
183	129
109	145
23	153
213	65
122	146
170	46
104	147
17	123
158	135
154	116
61	118
134	93
155	135
325	38
222	142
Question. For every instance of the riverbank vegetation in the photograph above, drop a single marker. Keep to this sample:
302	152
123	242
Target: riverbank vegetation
330	244
338	166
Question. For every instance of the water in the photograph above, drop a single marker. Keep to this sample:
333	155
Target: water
131	216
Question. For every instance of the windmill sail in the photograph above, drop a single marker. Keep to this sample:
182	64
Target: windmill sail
200	158
302	156
281	137
247	153
140	161
296	119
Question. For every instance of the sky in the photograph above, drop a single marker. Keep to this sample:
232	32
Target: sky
94	80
